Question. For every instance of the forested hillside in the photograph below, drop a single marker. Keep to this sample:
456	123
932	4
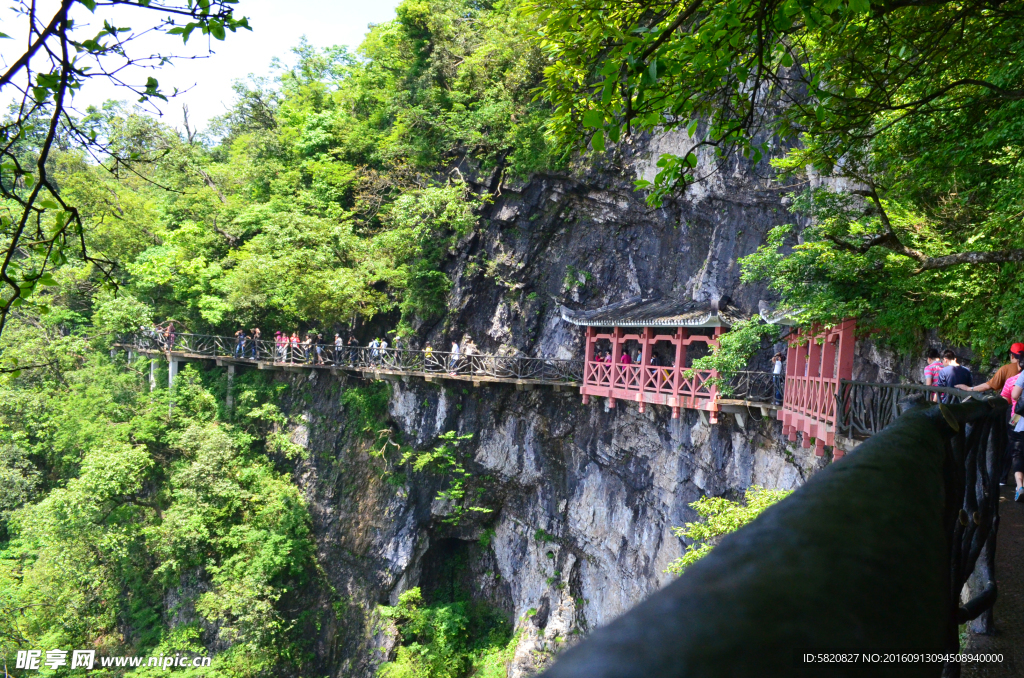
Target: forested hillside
332	189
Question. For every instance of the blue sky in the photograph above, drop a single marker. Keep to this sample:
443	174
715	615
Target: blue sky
278	25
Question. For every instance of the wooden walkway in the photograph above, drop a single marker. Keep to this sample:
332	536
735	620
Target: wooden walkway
751	390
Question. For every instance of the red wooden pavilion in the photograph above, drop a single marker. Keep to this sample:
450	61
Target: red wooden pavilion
662	329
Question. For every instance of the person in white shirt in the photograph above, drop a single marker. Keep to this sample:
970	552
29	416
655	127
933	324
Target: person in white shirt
454	358
777	377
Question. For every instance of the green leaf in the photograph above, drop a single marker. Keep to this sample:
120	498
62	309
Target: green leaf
593	118
89	4
598	142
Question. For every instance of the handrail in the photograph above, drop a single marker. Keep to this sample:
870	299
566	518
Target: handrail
551	370
864	408
756	386
868	556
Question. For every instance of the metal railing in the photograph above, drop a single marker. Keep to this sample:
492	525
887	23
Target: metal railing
757	386
870	555
306	353
865	408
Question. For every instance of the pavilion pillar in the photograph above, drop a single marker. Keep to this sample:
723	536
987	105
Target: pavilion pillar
172	372
680	366
152	375
845	349
230	400
646	345
588	358
844	366
613	373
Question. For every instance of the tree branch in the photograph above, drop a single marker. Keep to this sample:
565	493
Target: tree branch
993	257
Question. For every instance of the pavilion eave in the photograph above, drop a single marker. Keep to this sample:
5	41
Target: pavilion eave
639	312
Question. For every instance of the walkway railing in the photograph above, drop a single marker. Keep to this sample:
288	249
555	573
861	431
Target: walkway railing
865	408
512	368
656	384
763	387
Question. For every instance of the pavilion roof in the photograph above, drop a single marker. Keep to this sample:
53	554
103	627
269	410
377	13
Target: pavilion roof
778	315
658	312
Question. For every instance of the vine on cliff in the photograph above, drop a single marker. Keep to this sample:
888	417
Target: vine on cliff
444	460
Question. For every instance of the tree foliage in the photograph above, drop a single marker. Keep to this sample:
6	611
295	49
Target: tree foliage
336	189
447	639
109	510
721	517
898	121
40	228
340	186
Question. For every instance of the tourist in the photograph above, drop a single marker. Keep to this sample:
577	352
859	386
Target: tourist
931	370
1011	382
374	351
1008	370
454	359
778	379
338	345
293	347
625	359
169	336
1015	443
428	357
353	350
240	343
319	348
255	341
307	344
953	374
383	350
281	344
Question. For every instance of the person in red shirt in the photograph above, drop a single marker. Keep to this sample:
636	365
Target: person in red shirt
1008	370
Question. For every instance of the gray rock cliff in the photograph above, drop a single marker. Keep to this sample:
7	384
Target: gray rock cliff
583	498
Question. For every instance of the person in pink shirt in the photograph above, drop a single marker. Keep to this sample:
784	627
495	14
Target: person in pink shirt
931	370
625	360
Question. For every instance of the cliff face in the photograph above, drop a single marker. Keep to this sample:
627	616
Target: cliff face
583	497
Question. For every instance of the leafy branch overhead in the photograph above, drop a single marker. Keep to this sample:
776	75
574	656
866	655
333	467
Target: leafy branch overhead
39	229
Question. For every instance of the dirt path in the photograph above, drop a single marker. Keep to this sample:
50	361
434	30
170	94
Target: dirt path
1009	610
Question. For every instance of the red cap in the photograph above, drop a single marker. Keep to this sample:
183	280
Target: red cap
1017	348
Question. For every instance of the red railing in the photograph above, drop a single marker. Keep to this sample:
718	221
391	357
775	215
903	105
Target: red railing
818	358
663	385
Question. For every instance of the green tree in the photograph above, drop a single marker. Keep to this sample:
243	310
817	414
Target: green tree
721	517
39	228
910	110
